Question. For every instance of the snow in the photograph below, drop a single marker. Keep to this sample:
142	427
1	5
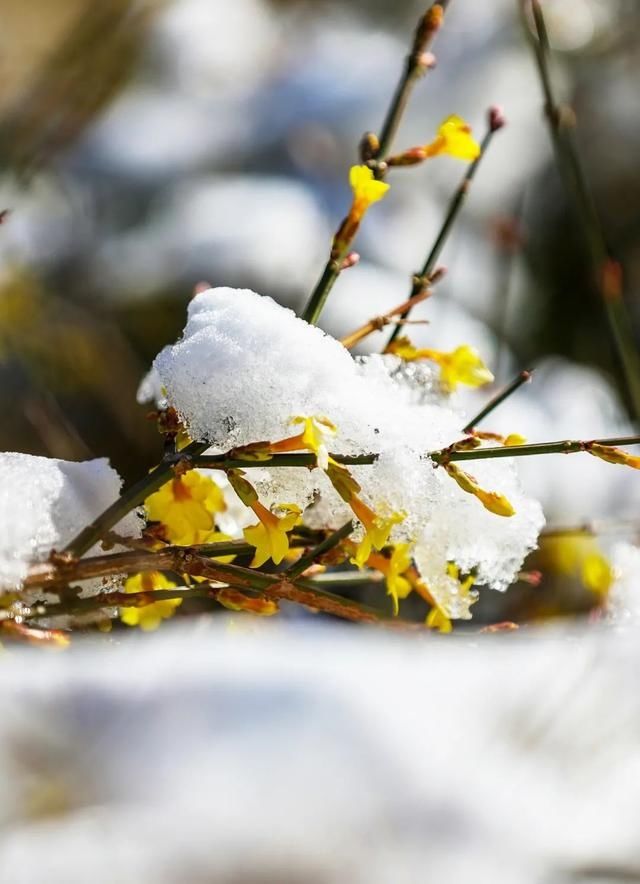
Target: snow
321	754
44	503
245	366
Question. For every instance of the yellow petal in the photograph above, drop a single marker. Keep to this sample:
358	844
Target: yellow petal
342	480
490	500
437	619
366	189
457	139
597	574
148	617
404	349
464	366
461	366
614	455
257	536
239	601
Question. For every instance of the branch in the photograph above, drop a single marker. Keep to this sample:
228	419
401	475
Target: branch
183	560
418	61
566	446
607	272
523	378
299	567
128	501
379	322
440	457
416	64
422	279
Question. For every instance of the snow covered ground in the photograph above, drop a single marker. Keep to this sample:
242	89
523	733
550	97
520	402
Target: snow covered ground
234	753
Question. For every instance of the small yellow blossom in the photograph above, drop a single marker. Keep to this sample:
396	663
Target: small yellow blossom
377	529
614	455
366	190
394	569
597	574
149	617
269	536
514	439
490	500
461	366
465	585
314	437
185	506
455	139
437	619
234	600
579	557
342	480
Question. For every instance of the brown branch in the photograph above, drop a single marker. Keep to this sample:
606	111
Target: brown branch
184	560
377	323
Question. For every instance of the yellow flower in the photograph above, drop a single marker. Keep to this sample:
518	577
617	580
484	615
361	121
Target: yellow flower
377	529
514	439
269	536
437	619
394	570
234	600
455	139
313	438
579	557
185	507
490	500
366	190
465	586
461	366
597	574
614	455
149	617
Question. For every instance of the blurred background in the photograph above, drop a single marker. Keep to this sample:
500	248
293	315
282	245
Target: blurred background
147	146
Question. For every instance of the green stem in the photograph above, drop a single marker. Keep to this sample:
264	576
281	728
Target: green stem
443	456
421	280
566	446
414	67
411	73
319	295
131	498
224	462
523	378
579	192
90	535
299	567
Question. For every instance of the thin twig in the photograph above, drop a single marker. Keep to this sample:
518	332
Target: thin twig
523	378
607	272
299	567
128	501
91	535
414	67
184	560
379	322
417	62
422	279
566	446
442	456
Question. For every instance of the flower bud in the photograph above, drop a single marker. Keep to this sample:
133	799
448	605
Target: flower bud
496	118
